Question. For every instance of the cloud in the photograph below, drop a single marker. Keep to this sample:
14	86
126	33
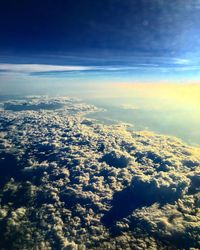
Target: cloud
162	65
37	68
45	68
69	182
181	61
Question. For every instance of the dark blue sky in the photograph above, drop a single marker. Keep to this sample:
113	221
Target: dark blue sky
165	33
67	26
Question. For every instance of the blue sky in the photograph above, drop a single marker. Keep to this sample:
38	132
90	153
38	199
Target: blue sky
117	39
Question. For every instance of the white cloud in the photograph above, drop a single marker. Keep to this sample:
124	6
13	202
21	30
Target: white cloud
36	68
77	170
181	61
7	68
18	69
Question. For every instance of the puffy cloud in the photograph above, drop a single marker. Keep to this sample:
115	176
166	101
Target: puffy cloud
176	223
161	187
117	159
69	182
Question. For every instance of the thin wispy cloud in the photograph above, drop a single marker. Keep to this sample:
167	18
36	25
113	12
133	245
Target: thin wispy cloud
167	65
181	61
34	68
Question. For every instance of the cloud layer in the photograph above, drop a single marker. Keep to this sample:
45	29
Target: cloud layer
69	182
137	64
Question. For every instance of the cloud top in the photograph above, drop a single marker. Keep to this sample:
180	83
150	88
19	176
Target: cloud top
70	182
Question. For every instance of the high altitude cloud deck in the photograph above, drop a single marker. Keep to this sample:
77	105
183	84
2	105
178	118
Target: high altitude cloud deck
68	182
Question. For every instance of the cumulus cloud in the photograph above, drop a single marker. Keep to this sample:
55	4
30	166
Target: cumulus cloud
161	187
69	182
117	159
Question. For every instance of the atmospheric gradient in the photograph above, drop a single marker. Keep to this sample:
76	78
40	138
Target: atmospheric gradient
99	125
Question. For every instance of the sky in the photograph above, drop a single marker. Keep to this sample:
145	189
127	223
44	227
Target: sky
102	39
